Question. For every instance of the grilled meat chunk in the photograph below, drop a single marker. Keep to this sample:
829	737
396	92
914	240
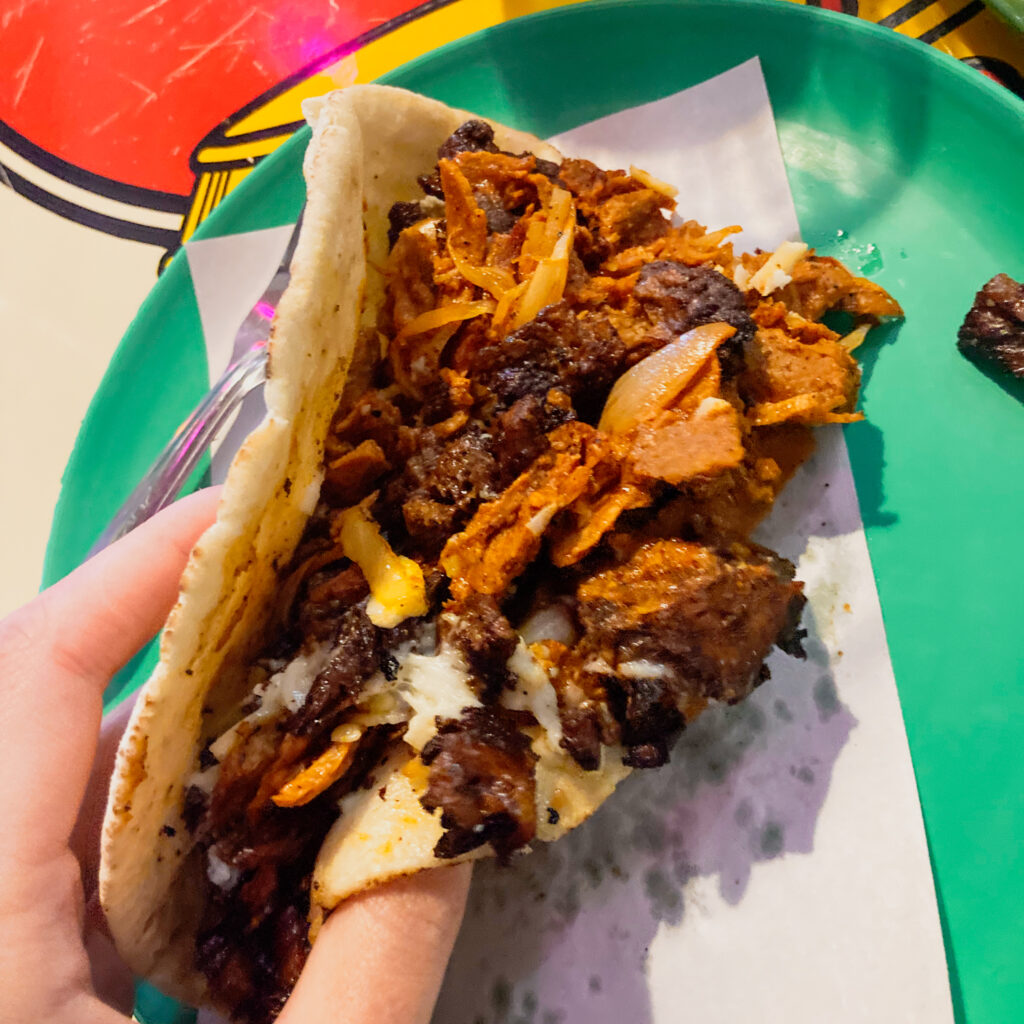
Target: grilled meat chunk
441	485
676	298
477	628
556	349
482	778
401	216
993	332
681	624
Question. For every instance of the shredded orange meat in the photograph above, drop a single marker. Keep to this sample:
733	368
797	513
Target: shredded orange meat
789	379
677	447
505	535
330	766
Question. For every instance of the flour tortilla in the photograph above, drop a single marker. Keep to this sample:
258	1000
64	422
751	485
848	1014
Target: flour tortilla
369	144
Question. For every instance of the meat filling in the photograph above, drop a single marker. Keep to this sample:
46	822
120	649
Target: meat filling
481	779
473	480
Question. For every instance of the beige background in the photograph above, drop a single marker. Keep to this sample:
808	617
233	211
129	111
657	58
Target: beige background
67	293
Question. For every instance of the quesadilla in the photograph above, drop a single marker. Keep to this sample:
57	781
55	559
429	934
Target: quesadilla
490	549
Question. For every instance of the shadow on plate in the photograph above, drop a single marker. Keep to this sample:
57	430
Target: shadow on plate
562	936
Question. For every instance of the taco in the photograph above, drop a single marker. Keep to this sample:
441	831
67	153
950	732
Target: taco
488	552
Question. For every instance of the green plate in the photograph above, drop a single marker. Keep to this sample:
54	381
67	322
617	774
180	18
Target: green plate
906	164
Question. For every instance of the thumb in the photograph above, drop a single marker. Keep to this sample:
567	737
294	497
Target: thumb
381	955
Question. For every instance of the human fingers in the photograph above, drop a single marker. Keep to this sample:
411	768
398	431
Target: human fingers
56	656
381	956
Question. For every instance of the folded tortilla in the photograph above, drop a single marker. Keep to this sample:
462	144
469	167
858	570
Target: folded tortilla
369	144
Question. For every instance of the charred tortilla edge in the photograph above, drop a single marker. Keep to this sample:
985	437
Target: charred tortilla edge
369	144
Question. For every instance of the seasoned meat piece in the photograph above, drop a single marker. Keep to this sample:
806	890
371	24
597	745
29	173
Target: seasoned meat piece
520	433
787	379
587	722
581	736
470	137
677	448
482	778
291	946
679	620
592	186
402	216
350	477
821	283
993	331
720	509
253	940
254	755
650	719
442	484
504	535
369	418
632	218
581	357
355	658
477	628
499	219
676	298
410	275
228	969
507	181
330	593
585	180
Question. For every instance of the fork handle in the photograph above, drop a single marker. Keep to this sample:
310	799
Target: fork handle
174	465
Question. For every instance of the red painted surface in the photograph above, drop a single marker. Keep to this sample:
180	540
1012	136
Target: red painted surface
126	88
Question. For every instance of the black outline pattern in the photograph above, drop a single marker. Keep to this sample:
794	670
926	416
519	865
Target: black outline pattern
109	188
170	202
218	136
1006	74
905	13
952	22
851	7
166	237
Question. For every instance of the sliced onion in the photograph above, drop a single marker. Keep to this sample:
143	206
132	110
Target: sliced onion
655	382
495	280
656	184
547	283
855	338
442	315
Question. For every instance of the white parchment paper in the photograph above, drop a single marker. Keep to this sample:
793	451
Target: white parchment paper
777	870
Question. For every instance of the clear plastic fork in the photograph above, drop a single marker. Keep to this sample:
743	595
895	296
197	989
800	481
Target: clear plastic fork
179	458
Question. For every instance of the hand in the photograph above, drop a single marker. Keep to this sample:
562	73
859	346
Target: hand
381	955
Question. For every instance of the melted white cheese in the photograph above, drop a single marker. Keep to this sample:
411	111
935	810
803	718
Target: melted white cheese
533	692
641	669
222	875
776	271
284	690
434	686
552	622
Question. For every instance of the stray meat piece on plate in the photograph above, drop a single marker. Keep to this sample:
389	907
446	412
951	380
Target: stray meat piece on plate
992	334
